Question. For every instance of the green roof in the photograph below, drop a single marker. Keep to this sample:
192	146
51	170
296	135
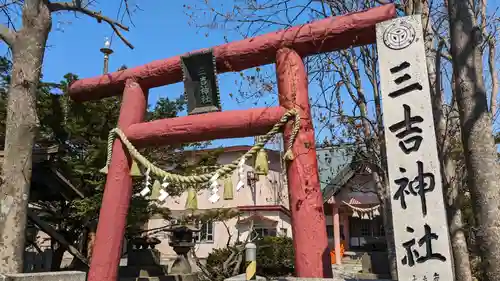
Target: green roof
336	167
330	161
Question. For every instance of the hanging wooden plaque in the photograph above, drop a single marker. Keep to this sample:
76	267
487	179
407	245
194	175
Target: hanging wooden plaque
200	82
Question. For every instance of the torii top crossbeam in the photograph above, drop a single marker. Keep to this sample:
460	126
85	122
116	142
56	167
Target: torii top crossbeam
330	34
286	48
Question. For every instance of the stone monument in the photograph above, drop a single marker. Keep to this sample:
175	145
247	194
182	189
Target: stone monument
419	217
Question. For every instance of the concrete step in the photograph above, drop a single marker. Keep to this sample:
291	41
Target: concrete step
351	260
142	271
350	266
352	269
347	268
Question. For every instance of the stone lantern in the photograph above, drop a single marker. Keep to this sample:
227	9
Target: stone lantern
182	241
143	260
145	242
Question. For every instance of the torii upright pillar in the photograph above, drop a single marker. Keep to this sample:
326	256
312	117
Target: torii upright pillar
306	200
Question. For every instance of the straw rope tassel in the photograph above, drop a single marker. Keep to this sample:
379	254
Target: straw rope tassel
261	165
251	271
155	190
228	188
191	200
222	171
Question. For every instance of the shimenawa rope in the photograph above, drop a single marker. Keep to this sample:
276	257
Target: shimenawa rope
222	171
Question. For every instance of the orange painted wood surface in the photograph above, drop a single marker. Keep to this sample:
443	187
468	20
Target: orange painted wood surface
117	193
204	127
312	256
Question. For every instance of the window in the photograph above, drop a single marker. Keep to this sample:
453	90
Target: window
206	234
365	227
329	232
262	232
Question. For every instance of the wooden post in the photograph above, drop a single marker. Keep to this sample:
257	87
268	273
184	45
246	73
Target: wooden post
336	232
117	193
347	234
312	257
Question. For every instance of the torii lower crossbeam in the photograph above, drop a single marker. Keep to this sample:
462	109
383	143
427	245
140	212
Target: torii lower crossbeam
204	127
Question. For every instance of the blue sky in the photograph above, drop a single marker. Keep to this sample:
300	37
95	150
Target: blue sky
161	31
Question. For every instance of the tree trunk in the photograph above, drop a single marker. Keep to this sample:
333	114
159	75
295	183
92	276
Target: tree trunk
452	186
455	189
446	136
475	122
21	126
459	245
384	196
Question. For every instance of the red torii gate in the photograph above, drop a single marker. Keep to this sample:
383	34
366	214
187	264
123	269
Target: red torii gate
286	48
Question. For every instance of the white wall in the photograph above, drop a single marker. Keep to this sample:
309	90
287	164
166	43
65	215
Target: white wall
270	189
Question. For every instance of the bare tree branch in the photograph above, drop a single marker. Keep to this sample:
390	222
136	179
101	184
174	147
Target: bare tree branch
7	35
493	74
201	266
69	6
